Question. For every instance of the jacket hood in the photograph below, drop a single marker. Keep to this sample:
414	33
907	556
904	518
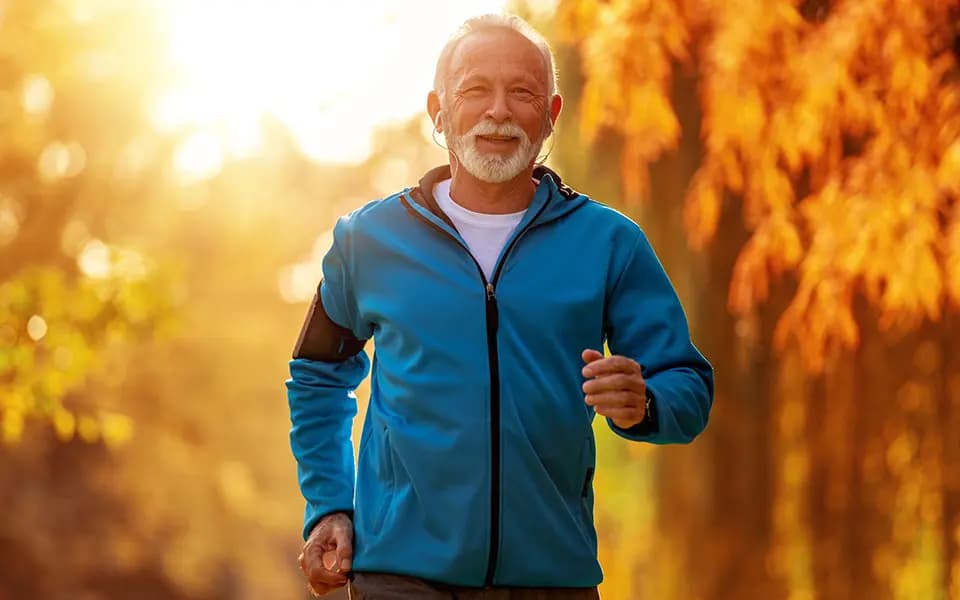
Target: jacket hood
552	200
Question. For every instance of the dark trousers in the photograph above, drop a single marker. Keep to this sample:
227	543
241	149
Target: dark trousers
385	586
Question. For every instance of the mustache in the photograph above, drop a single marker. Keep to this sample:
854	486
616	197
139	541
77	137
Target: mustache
502	129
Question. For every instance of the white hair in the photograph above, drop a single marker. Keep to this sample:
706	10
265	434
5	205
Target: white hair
496	21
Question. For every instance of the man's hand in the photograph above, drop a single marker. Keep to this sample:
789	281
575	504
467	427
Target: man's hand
615	388
327	556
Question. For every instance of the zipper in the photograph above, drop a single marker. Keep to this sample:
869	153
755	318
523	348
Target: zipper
492	315
493	358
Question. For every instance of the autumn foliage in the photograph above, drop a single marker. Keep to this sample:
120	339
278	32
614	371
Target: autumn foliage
796	165
815	148
835	125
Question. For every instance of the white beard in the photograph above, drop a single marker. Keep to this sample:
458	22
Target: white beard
493	168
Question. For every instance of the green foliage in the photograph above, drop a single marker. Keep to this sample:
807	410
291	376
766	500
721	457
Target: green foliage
57	335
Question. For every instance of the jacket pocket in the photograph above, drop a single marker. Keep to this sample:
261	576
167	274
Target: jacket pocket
587	466
587	461
585	495
587	478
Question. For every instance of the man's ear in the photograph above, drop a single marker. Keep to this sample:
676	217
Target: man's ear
555	105
433	109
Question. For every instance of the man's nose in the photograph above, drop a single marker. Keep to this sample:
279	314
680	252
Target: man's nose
499	109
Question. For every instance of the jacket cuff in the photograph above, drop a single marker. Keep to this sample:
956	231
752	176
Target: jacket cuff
649	426
315	514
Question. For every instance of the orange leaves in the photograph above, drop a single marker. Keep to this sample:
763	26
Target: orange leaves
650	128
749	285
948	172
627	53
734	118
701	211
650	118
860	107
592	111
576	20
952	252
774	248
819	318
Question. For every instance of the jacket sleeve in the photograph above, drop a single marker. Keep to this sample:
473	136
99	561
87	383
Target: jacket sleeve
645	321
328	364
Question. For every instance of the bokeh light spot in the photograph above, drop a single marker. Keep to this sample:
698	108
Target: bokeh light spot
60	160
36	328
94	260
9	219
37	95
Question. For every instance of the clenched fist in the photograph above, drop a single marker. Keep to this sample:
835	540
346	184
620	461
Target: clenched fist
615	388
327	555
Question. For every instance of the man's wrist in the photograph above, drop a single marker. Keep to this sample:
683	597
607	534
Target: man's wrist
650	409
650	423
331	516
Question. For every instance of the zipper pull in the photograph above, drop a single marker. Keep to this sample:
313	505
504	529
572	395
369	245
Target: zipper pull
493	319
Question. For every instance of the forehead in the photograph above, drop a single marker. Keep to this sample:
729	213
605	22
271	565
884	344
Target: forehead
498	51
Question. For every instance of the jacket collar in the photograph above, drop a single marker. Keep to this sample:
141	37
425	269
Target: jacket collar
560	196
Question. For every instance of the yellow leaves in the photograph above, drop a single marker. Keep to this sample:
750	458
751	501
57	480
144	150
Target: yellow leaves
117	429
56	339
64	424
113	429
88	429
11	425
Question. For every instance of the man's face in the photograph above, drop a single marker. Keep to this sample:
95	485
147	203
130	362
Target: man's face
495	104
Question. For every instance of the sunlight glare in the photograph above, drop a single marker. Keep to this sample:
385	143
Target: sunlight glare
199	157
330	72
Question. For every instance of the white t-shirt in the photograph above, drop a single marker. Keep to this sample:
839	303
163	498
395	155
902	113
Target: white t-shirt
484	233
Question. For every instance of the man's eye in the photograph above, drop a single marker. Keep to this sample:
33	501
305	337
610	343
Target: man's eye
521	92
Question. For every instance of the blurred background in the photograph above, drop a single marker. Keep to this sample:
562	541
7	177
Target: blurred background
170	171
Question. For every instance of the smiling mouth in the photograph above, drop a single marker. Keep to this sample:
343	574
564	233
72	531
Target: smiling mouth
497	138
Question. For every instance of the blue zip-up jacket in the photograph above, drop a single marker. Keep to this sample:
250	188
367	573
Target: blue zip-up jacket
477	453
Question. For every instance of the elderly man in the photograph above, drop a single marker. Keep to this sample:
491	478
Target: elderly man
489	289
